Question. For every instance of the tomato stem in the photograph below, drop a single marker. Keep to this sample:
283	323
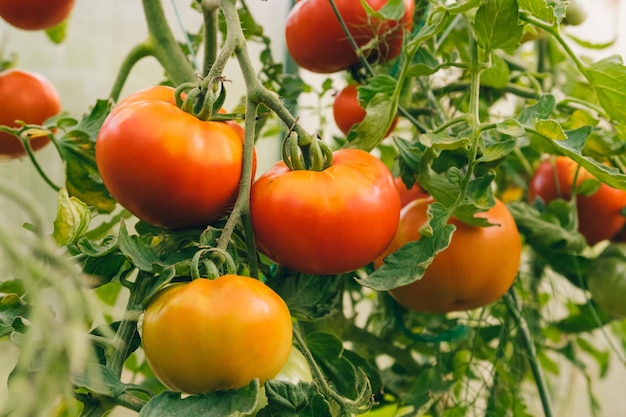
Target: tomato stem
136	54
210	11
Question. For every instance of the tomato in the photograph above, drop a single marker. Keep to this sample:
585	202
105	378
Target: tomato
576	12
347	110
408	195
35	14
165	166
326	222
210	335
606	280
317	42
27	97
476	269
599	214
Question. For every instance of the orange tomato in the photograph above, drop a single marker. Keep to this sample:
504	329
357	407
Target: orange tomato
476	269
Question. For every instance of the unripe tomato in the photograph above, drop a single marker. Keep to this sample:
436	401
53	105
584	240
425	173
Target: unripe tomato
347	110
35	14
27	97
210	335
476	269
327	222
317	42
599	214
606	280
164	165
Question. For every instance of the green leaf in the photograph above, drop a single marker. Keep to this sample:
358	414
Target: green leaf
550	129
12	308
98	379
290	400
409	262
138	252
215	404
542	109
585	318
497	75
539	9
608	77
496	25
72	219
392	10
511	127
58	33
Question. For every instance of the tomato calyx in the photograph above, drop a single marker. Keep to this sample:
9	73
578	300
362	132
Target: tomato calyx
200	99
306	153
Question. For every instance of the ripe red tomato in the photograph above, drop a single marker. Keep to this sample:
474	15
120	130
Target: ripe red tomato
317	42
165	166
210	335
408	195
327	222
599	214
476	269
30	98
347	110
35	14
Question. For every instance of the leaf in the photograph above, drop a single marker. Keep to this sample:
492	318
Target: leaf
497	75
539	9
496	25
58	33
72	219
98	379
550	129
290	400
226	403
392	10
12	308
139	253
608	77
543	109
408	263
585	318
510	127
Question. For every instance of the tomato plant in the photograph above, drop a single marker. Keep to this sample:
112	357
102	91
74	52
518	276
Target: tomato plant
599	212
606	280
34	14
312	26
476	269
216	334
166	166
26	97
347	111
319	222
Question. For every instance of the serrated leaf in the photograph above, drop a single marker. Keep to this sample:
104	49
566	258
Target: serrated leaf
392	10
227	403
539	9
140	254
511	127
12	307
608	77
542	109
291	400
72	219
98	379
496	25
550	129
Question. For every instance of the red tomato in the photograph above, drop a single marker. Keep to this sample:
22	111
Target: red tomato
317	42
218	334
327	222
476	269
406	195
27	97
599	214
165	166
35	14
347	110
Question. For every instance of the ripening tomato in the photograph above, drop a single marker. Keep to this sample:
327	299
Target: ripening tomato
599	214
476	269
408	195
327	222
164	165
27	97
35	14
317	42
210	335
606	280
347	111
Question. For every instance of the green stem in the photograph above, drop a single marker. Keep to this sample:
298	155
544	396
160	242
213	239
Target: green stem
210	11
512	304
135	55
165	47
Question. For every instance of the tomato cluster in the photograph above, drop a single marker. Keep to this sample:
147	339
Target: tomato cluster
599	213
312	27
25	97
210	335
35	14
166	166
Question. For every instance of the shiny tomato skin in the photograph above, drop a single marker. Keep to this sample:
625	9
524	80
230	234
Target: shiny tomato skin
317	42
328	222
347	111
210	335
35	14
599	214
476	269
28	97
167	167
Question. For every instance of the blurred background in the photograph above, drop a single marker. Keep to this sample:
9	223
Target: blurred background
84	66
